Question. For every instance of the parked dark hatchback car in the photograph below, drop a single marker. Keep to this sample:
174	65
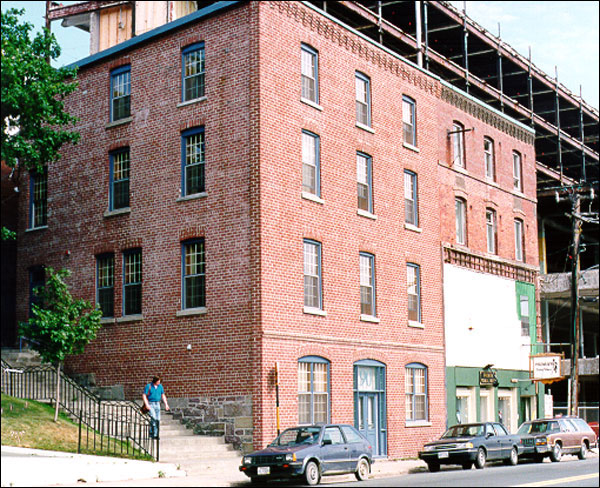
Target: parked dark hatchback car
468	444
310	452
554	437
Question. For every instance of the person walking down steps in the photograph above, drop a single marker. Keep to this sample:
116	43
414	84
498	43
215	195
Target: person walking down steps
153	394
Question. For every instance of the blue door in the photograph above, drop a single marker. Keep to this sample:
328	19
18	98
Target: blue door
368	418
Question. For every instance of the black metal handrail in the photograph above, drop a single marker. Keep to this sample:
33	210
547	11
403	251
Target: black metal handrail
107	426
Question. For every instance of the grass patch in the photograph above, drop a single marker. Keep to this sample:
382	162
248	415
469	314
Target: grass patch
27	423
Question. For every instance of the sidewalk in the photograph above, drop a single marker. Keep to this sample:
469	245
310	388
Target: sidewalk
36	467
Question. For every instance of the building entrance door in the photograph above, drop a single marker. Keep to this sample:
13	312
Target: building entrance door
368	419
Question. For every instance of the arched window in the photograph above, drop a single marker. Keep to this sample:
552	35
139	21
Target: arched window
417	403
313	390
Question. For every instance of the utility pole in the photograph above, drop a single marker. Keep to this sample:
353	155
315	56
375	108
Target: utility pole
575	329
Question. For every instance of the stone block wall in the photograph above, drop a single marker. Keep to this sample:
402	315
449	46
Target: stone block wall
229	416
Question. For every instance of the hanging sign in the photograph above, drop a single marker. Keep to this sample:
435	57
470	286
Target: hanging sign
545	367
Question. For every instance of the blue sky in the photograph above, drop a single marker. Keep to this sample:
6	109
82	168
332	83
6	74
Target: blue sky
562	34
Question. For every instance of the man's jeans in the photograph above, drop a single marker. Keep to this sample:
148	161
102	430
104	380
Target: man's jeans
154	418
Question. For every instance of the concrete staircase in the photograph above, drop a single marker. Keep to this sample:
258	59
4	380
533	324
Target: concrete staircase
26	358
198	455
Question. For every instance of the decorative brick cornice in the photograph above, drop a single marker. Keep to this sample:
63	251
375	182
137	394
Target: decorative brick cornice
351	42
487	116
476	262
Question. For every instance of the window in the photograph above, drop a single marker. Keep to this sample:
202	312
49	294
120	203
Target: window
458	144
38	206
413	291
313	390
460	209
192	161
367	284
105	283
120	93
310	71
312	275
524	312
193	72
119	180
365	182
488	151
37	279
517	172
519	241
409	127
132	282
310	163
411	207
363	99
334	435
194	274
490	223
416	392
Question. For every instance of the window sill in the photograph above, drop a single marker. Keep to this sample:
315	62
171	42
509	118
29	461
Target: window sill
459	169
119	122
517	193
369	318
415	324
315	311
417	423
33	229
364	213
312	198
411	147
413	228
311	104
191	102
365	127
121	211
195	196
190	312
107	320
491	182
130	318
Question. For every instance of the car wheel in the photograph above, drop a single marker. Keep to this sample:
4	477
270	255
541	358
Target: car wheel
556	453
467	466
583	451
480	459
433	467
362	472
513	459
311	474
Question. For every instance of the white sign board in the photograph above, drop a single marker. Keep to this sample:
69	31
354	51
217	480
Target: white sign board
548	406
545	367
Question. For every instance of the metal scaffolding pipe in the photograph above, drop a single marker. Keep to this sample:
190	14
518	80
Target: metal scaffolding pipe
418	32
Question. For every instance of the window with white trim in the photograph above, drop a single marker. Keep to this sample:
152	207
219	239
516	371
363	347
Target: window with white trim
489	158
416	392
491	230
517	171
310	163
312	274
364	176
413	291
363	99
411	202
367	284
409	126
519	241
458	144
460	210
310	73
313	390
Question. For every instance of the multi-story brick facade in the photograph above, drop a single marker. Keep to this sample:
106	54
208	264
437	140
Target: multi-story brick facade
261	228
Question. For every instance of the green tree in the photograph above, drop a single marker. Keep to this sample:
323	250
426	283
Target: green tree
34	122
61	325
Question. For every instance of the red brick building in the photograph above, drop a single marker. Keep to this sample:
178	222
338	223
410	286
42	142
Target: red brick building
257	184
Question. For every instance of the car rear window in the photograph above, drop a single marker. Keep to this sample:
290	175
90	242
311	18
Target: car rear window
351	434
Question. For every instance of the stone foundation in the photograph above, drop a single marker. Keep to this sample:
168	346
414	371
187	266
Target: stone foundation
229	416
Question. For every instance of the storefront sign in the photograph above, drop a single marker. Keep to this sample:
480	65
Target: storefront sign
487	378
545	367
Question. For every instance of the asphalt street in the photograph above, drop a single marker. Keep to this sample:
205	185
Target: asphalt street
570	472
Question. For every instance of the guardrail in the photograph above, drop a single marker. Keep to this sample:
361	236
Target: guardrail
106	426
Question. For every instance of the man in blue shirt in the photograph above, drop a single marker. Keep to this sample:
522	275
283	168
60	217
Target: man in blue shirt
153	394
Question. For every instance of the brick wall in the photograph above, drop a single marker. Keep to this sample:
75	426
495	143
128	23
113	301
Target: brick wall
254	219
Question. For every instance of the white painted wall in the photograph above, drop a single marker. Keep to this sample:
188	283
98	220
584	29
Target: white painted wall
481	321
